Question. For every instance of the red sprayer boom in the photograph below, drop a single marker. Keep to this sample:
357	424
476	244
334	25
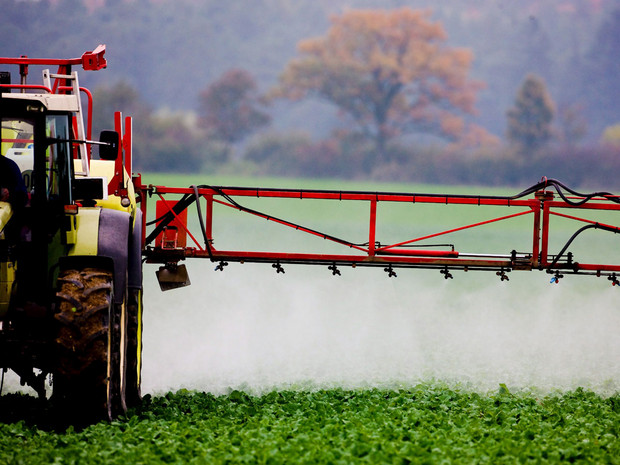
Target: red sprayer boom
166	242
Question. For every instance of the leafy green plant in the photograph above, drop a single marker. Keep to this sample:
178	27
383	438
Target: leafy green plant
428	423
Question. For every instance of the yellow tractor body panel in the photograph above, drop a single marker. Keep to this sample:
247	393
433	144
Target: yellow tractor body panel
7	278
87	227
5	215
102	168
105	169
7	269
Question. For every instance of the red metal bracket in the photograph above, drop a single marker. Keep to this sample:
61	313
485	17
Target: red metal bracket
90	61
94	61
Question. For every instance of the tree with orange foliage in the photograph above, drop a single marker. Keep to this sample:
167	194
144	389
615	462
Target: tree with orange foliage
390	72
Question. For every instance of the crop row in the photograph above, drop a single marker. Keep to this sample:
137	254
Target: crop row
424	424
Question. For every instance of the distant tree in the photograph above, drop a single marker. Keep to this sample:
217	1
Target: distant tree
170	143
529	121
390	72
278	154
122	96
230	108
161	142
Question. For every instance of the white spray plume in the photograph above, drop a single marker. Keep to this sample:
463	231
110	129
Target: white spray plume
252	329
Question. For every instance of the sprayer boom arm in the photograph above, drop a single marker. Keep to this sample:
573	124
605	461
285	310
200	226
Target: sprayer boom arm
167	241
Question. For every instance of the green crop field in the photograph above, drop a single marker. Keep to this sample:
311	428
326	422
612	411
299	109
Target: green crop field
250	366
422	424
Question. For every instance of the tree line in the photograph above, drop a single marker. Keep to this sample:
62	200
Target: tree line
398	97
394	80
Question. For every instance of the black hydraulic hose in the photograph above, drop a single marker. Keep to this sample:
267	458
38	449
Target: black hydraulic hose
289	223
528	191
608	195
202	223
577	233
166	219
586	197
156	220
168	214
559	187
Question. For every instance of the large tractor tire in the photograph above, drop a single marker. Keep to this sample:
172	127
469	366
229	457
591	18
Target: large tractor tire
133	361
87	383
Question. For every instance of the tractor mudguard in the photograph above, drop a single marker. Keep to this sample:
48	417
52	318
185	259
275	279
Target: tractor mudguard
104	233
113	242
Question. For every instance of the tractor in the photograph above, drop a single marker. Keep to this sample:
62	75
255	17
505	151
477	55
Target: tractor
70	253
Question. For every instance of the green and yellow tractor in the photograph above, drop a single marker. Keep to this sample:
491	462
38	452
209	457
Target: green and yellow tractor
70	245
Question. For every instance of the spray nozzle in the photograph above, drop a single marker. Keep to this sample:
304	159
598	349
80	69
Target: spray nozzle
334	269
614	279
221	266
390	271
502	275
556	278
278	267
446	274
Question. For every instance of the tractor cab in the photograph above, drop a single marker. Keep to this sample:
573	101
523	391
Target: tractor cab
38	135
44	133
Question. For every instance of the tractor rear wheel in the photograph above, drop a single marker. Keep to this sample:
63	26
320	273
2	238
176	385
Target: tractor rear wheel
86	382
